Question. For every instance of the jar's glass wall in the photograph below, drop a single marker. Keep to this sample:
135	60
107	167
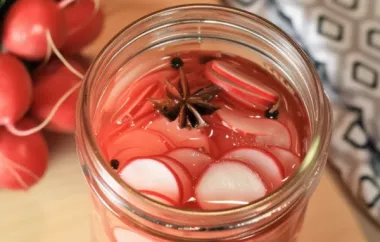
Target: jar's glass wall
210	28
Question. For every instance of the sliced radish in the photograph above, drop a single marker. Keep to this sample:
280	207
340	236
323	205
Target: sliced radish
226	138
128	83
123	235
134	89
194	138
137	142
159	198
135	103
289	123
289	160
183	175
228	183
243	79
194	160
266	131
265	164
153	174
237	92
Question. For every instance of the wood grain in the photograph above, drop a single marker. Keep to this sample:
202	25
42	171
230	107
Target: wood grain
57	209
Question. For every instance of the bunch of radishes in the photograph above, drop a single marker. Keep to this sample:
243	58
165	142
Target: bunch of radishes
49	34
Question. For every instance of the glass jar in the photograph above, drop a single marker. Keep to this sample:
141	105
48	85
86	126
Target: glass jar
121	211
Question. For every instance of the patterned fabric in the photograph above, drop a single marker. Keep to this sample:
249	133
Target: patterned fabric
342	37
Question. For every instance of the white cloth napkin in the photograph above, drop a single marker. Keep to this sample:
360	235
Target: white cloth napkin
342	37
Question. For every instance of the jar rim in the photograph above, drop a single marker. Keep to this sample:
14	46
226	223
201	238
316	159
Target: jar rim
309	163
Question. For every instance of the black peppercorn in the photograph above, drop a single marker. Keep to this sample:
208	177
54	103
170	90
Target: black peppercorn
176	63
115	164
272	115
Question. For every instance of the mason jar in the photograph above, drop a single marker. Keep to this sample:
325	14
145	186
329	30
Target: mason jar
122	214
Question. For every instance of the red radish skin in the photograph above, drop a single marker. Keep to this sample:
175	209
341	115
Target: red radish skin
153	174
228	183
15	89
159	198
23	160
239	77
266	131
235	91
51	83
26	25
194	160
84	24
183	174
263	162
290	161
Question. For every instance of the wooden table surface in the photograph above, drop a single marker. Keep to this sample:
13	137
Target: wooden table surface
57	209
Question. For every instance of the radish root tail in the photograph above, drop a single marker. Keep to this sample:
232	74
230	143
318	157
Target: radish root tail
12	128
60	56
12	167
64	3
96	6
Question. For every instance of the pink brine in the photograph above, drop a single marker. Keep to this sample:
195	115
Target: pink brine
204	131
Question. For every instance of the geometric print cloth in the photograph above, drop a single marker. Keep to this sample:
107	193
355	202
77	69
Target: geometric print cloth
342	37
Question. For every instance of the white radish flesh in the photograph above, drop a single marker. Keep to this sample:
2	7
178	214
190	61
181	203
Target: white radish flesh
137	142
289	160
265	164
243	79
153	175
193	138
235	91
183	174
267	131
228	183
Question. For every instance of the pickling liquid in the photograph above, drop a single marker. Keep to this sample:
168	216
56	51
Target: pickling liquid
235	146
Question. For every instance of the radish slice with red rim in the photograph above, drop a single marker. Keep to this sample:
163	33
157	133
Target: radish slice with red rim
137	142
267	131
159	198
264	163
235	91
183	174
243	79
288	159
153	174
228	183
195	138
194	160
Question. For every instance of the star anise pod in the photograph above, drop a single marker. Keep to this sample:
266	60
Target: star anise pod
181	104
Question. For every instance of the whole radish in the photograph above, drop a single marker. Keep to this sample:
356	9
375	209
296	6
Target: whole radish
26	26
23	160
51	83
84	20
15	89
